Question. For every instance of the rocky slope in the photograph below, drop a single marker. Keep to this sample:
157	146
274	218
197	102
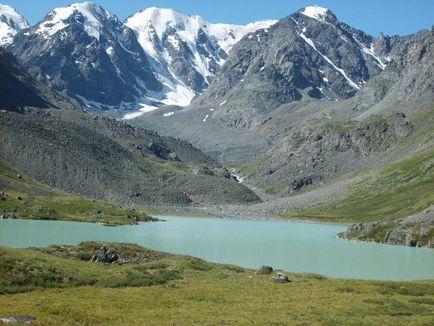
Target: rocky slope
11	23
314	153
66	148
364	129
407	85
24	198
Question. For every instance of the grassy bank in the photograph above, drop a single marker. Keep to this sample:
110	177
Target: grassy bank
24	198
396	191
59	286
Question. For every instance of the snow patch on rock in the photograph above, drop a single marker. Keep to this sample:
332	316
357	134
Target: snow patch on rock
315	12
338	70
92	14
11	23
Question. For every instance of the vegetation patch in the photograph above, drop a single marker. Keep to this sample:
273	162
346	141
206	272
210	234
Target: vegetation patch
146	287
396	191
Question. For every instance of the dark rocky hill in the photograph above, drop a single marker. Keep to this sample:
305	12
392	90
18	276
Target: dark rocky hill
19	90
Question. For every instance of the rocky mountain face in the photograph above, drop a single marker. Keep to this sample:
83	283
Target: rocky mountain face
382	123
11	23
19	90
320	150
88	53
379	125
408	82
16	87
185	51
48	137
309	54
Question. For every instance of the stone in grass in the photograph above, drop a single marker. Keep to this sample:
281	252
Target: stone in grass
26	319
105	255
265	270
281	277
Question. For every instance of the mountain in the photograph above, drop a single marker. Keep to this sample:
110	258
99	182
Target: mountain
88	53
309	102
48	137
309	54
271	80
10	24
157	57
186	51
17	89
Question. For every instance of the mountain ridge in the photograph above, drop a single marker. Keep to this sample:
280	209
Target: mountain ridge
300	56
108	68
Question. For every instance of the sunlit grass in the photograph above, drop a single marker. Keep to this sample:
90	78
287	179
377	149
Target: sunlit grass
189	291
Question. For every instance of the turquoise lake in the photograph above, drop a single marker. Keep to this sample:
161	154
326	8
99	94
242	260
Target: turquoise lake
291	246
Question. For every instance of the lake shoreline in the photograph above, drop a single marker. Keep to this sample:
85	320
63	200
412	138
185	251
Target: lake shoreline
285	244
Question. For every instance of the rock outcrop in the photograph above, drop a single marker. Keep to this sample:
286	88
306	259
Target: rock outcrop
105	255
413	231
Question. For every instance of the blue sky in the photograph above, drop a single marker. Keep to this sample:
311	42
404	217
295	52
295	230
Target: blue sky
373	16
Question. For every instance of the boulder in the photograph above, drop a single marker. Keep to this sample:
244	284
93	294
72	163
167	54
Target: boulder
299	183
105	255
281	277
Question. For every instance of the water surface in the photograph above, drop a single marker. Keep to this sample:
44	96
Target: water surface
292	246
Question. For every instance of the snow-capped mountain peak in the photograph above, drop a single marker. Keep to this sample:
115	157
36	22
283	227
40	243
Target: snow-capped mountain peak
86	51
11	23
158	56
152	24
316	12
185	51
92	15
157	21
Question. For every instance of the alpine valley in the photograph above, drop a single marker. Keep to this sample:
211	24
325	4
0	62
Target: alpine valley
285	115
303	118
